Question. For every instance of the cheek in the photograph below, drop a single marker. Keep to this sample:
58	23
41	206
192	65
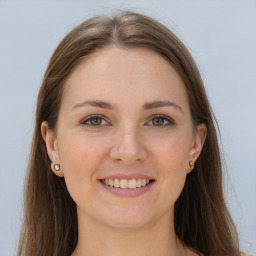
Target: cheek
79	152
172	162
80	159
173	153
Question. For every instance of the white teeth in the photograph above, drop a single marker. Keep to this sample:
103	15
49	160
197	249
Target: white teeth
139	183
116	183
123	183
132	183
111	183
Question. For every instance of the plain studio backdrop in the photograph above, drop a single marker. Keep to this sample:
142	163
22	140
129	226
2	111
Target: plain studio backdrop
221	35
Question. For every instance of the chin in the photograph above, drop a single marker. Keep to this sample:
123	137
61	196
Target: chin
127	219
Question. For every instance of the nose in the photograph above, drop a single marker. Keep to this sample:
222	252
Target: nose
128	147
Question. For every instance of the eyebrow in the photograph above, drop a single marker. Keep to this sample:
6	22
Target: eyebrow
94	103
160	104
146	106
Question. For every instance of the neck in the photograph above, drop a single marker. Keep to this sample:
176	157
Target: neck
155	239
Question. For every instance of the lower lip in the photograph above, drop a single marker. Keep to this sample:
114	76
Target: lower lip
126	192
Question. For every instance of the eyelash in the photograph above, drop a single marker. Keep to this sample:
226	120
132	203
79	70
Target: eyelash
164	118
91	117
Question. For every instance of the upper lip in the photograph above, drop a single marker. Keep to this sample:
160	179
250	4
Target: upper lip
127	177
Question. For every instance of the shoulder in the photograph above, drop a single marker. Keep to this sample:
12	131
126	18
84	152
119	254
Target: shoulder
245	254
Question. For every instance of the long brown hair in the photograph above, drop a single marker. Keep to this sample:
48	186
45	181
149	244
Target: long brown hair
202	220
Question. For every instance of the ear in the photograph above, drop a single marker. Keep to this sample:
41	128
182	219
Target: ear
198	142
51	143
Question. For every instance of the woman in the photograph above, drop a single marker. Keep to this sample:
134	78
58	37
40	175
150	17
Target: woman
125	157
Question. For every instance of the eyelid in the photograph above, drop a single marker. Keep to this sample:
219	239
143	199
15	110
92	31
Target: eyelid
160	116
169	119
90	117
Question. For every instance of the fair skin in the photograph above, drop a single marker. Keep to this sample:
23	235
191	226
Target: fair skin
125	114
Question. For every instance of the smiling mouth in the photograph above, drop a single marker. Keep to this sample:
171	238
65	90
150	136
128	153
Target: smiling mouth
126	183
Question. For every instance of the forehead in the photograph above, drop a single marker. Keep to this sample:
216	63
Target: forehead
124	75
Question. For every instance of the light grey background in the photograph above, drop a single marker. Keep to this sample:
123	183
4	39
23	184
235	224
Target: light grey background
221	36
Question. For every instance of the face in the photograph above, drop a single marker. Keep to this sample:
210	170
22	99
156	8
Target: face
124	137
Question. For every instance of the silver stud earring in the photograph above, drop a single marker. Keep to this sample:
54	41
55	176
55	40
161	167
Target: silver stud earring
191	164
57	167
